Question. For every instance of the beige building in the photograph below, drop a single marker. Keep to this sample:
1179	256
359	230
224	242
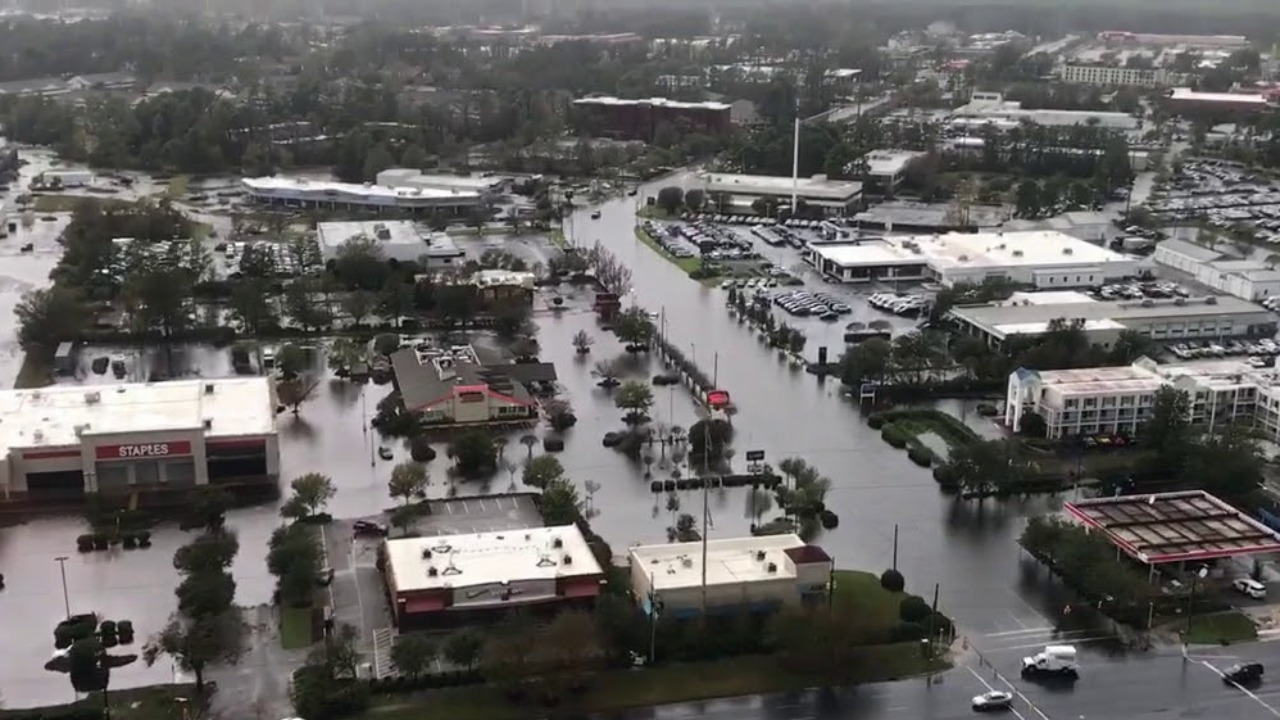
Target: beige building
753	573
1112	76
61	443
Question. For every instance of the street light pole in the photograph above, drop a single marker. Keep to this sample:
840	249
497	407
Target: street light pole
66	597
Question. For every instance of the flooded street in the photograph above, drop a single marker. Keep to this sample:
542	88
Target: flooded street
783	411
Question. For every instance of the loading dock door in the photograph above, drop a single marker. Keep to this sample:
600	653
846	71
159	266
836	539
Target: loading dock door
56	486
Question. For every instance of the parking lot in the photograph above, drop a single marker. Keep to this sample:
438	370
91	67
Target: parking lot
1224	195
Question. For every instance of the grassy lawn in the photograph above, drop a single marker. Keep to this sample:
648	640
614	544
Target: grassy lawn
860	592
295	628
67	203
621	689
688	264
158	702
178	186
1223	627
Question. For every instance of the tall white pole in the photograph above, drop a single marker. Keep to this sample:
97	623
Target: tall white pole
795	162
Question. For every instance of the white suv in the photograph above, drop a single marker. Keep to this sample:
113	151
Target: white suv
1250	587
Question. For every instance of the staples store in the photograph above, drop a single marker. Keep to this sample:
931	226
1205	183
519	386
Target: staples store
62	442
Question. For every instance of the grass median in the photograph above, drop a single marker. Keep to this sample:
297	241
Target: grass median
1222	628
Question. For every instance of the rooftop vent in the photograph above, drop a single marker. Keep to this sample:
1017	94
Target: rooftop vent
426	553
567	560
208	423
1211	300
772	568
1016	253
1067	251
760	555
686	561
557	543
432	572
92	398
38	436
208	388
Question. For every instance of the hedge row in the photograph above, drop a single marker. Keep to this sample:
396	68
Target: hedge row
769	482
430	681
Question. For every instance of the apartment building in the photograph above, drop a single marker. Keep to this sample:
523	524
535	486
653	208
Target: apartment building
1086	401
1113	76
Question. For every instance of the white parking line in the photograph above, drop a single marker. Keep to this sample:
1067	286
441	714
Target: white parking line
465	507
989	687
449	506
1024	631
1241	688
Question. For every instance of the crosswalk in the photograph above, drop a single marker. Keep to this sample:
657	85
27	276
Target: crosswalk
1027	639
383	639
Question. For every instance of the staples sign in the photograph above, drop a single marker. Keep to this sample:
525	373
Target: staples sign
143	450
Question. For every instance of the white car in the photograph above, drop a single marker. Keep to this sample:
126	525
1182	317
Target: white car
1250	587
994	700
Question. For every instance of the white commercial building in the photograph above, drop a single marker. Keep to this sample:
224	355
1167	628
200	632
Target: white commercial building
487	187
1120	399
300	192
456	579
887	168
60	443
399	240
1044	258
834	197
1174	319
991	107
1246	279
751	573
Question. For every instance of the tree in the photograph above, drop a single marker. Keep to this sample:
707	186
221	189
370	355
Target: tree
294	392
206	593
606	371
294	557
1167	430
819	643
865	362
695	199
344	354
311	493
251	302
582	342
1227	462
197	643
634	328
360	265
1033	425
408	480
988	467
159	295
359	304
209	505
463	648
474	453
291	361
89	666
210	552
567	651
413	654
561	504
51	315
670	199
635	398
301	303
1028	200
541	471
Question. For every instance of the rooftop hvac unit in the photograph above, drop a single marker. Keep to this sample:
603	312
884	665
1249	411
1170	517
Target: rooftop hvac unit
557	543
92	398
1067	251
760	555
568	560
1016	253
432	571
1211	300
38	436
208	423
686	561
773	568
208	388
426	553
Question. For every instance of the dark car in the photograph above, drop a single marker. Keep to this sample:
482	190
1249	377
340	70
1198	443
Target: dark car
368	528
1243	673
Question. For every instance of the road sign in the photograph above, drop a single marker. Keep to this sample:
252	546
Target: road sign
755	455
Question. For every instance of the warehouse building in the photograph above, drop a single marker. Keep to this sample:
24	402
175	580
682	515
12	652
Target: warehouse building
991	107
1221	106
63	442
447	581
754	573
626	119
1246	279
1044	258
832	197
886	169
1173	319
325	195
1086	401
399	240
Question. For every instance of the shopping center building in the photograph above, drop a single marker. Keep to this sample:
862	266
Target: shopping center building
62	443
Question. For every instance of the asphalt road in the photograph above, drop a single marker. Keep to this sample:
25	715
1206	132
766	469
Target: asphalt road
1156	685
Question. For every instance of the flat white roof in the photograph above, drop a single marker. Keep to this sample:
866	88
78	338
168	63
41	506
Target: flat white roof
1040	328
890	162
490	558
60	415
1049	297
386	232
408	177
817	187
1218	97
1030	248
730	561
286	186
656	102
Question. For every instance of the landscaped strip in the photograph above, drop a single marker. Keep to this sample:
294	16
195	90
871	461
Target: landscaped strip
688	264
902	429
622	689
1222	628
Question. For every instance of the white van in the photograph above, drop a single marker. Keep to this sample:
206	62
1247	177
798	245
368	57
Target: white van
1250	587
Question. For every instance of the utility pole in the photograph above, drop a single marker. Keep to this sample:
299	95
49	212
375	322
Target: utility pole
795	159
66	597
706	492
933	619
895	546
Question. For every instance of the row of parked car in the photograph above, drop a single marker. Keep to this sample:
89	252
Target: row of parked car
1141	291
668	238
899	304
1209	349
777	236
805	303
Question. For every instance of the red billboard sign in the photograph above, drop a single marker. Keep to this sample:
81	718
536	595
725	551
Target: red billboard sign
137	451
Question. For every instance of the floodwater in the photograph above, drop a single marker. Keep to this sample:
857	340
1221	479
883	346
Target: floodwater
968	549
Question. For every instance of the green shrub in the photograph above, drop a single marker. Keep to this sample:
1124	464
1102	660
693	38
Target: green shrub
920	456
895	437
876	421
908	632
893	581
913	608
945	478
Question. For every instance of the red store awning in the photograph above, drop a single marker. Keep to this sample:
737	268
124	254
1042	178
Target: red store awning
424	604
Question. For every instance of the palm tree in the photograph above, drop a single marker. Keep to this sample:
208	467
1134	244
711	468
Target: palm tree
607	372
501	443
529	441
